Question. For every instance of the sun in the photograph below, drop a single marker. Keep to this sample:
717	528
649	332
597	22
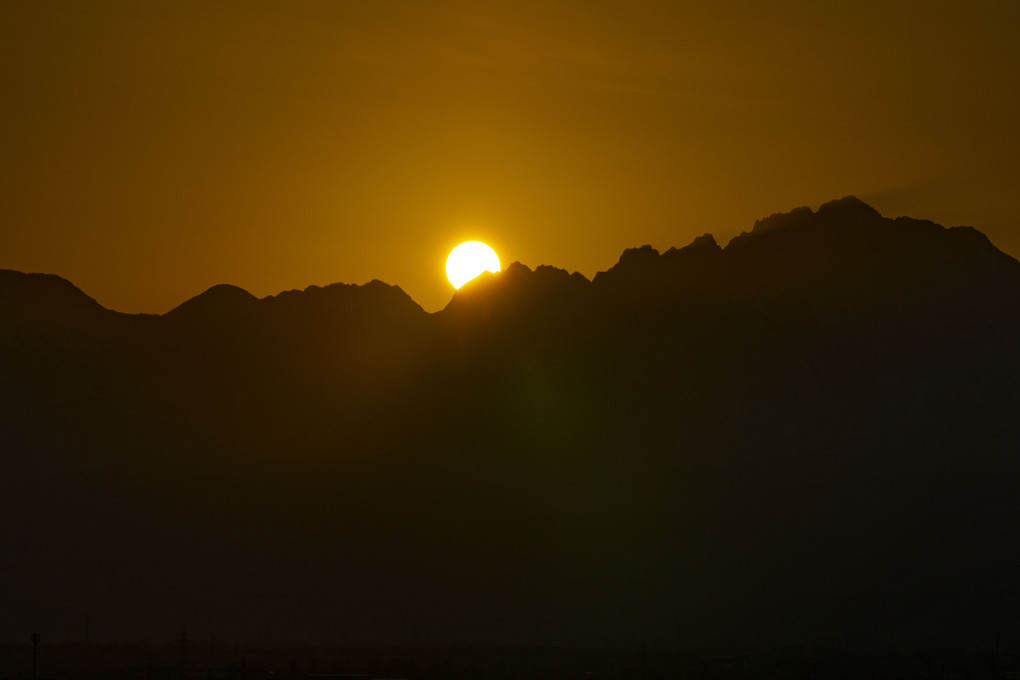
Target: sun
468	260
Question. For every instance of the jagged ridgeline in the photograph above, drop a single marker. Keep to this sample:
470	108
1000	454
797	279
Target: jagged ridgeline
807	436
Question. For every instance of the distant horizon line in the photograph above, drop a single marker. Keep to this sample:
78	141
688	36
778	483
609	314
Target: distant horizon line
848	201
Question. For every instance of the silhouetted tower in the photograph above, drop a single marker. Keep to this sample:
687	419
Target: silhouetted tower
35	652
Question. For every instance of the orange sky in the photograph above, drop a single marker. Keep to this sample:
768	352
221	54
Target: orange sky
153	149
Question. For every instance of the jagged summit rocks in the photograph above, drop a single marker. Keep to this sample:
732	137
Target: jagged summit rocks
701	245
850	208
518	290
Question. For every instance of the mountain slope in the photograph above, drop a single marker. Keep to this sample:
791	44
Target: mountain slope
807	436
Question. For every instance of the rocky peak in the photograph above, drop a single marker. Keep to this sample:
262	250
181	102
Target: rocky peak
221	299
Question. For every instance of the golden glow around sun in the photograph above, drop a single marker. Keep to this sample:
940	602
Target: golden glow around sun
468	260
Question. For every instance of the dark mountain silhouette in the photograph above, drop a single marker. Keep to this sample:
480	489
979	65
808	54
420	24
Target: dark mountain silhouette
219	304
43	299
808	437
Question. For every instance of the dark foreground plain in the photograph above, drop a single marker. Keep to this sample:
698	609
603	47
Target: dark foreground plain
806	440
215	660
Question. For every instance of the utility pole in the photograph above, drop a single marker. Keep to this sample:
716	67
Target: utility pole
184	651
35	652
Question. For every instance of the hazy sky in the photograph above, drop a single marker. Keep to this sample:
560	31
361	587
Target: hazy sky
153	149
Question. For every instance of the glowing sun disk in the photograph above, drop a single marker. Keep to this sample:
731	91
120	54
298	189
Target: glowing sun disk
468	260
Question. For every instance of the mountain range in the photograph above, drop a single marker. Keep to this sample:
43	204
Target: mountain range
808	436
